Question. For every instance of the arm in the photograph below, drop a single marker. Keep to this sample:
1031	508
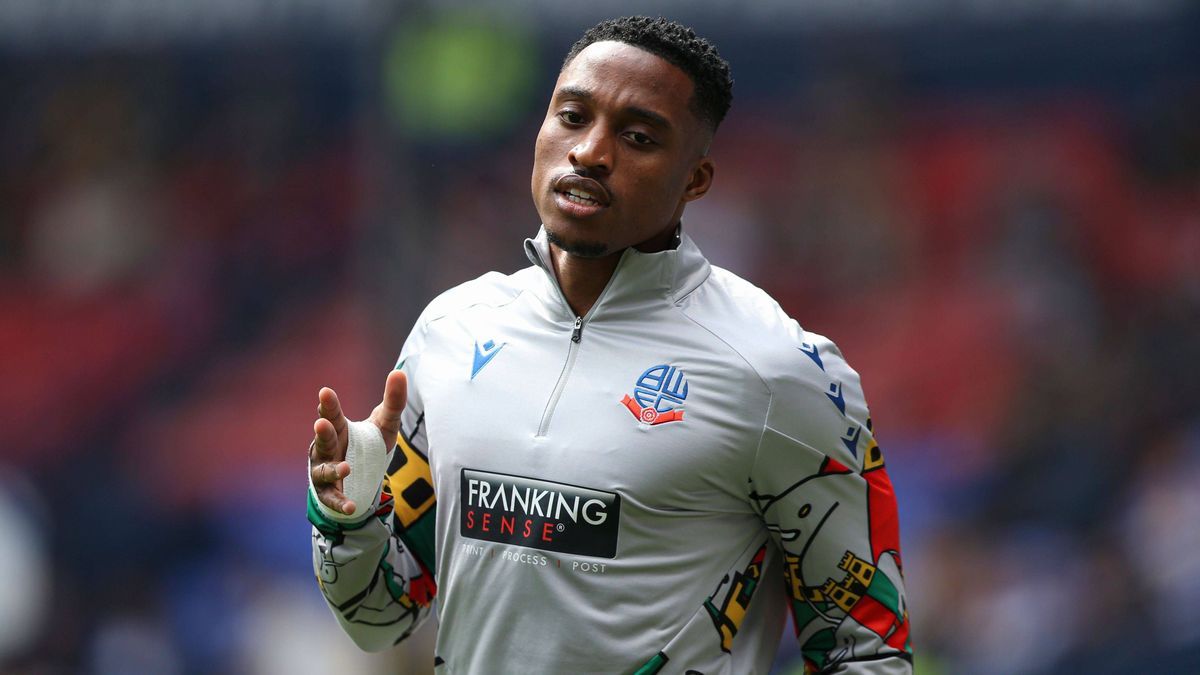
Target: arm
820	484
372	546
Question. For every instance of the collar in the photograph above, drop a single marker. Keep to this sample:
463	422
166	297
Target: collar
638	277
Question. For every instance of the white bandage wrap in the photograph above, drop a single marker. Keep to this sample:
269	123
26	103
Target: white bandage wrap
367	454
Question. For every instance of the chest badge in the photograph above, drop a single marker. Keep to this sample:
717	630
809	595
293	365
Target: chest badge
484	356
658	395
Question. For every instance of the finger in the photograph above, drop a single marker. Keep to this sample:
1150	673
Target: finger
326	479
329	473
330	408
395	395
325	445
337	501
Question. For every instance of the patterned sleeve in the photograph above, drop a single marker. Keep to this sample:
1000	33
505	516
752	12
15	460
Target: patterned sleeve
376	574
820	484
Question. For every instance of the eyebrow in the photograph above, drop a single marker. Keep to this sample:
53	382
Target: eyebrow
569	91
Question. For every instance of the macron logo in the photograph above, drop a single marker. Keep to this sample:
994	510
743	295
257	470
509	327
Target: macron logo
484	356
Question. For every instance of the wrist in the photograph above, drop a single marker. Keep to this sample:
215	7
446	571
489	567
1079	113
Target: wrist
367	454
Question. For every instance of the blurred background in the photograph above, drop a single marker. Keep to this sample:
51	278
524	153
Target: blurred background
210	209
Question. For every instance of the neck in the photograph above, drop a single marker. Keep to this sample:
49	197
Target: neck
582	279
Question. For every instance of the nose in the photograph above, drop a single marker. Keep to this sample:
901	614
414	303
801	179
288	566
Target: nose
593	152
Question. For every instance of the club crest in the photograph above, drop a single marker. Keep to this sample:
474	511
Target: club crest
658	395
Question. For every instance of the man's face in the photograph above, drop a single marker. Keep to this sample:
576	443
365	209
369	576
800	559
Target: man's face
619	153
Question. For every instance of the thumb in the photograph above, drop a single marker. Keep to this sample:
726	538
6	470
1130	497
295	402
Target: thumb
387	414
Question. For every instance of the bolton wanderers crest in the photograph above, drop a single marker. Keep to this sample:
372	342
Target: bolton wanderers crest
658	395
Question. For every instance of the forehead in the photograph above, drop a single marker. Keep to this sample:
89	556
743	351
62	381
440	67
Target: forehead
623	74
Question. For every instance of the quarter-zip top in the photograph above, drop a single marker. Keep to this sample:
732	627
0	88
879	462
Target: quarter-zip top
700	441
538	252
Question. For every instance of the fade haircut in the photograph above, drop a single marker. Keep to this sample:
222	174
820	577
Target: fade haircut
681	47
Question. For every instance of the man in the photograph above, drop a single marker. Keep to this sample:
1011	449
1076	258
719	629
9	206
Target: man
640	461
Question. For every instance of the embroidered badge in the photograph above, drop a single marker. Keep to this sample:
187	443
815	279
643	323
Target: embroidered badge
658	395
484	356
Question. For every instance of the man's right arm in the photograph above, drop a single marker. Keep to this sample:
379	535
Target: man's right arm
377	587
373	547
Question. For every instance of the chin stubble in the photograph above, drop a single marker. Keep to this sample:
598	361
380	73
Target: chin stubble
582	249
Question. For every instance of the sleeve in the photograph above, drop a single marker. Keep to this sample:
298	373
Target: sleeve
376	573
820	484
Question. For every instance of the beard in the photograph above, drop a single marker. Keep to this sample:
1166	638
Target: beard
581	249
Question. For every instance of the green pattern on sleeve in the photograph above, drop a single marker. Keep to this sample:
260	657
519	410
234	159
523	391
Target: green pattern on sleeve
324	524
653	665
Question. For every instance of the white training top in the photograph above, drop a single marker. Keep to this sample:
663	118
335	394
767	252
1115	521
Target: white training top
644	489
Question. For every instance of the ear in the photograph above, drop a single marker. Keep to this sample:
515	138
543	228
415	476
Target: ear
702	178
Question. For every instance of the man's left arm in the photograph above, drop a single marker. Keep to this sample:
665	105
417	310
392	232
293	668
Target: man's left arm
820	484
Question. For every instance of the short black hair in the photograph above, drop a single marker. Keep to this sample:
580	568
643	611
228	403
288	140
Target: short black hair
679	46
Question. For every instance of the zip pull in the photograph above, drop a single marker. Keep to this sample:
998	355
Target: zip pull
577	333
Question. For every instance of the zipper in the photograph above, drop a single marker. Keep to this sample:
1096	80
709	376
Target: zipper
572	351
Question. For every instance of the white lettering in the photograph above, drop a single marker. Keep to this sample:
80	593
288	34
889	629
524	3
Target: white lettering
533	501
472	491
572	510
527	558
521	499
537	503
598	513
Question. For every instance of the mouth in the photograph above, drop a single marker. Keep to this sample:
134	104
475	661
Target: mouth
580	196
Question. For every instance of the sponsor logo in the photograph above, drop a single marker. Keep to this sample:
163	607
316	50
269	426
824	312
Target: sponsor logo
658	395
538	514
484	356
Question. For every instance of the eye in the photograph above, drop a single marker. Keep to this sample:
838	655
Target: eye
639	138
570	117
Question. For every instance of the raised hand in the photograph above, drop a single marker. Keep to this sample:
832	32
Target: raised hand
327	463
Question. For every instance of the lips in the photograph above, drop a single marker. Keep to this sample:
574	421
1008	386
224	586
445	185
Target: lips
581	190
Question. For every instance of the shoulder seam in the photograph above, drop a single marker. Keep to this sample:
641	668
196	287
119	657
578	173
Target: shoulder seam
462	308
770	392
762	433
722	340
856	469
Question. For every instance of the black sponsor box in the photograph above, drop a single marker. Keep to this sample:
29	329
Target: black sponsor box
538	514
